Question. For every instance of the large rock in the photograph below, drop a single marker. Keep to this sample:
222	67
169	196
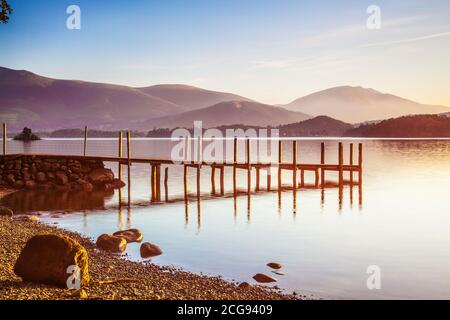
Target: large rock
130	235
101	176
150	250
40	177
263	278
46	258
274	265
111	243
61	178
116	184
6	212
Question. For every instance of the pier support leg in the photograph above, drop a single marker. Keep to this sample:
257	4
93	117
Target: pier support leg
269	178
322	162
213	180
185	183
257	179
166	184
341	162
222	181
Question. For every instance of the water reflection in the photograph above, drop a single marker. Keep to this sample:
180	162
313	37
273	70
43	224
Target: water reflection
29	201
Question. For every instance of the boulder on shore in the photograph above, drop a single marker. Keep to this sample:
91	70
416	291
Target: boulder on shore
263	278
6	212
111	243
46	259
130	235
150	250
274	265
101	176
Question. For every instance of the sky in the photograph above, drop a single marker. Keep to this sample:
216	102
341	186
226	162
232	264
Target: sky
270	51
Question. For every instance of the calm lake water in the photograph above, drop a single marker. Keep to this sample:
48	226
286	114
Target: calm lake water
399	221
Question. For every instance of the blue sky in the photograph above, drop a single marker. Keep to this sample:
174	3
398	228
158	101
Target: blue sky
271	51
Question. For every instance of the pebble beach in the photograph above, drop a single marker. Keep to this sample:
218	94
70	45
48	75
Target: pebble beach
113	277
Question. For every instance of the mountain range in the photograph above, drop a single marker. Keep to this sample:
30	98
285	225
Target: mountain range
43	103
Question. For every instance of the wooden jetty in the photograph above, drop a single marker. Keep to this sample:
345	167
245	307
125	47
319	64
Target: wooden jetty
293	165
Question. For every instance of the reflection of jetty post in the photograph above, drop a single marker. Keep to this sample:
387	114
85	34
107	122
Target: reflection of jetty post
4	139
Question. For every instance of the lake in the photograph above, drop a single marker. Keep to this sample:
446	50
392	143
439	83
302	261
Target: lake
399	221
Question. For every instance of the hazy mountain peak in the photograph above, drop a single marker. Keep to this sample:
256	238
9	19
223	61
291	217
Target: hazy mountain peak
359	104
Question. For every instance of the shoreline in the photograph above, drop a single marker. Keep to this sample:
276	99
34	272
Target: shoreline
149	281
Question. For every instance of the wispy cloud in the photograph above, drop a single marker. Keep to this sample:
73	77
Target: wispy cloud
409	40
271	64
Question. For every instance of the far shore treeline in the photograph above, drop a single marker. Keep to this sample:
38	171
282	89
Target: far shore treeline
415	126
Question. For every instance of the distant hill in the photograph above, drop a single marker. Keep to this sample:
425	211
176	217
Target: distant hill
27	99
357	104
417	126
321	126
191	98
230	113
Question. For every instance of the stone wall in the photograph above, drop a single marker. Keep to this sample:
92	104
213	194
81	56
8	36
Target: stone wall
54	173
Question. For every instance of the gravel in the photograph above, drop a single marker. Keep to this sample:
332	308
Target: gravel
112	276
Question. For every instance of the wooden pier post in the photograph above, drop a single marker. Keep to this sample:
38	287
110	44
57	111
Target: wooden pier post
213	179
129	166
85	140
341	163
351	163
360	161
257	179
269	178
158	182
280	158
4	138
153	182
120	154
322	162
302	178
129	147
234	165
249	167
222	180
316	180
198	182
166	184
294	165
185	182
